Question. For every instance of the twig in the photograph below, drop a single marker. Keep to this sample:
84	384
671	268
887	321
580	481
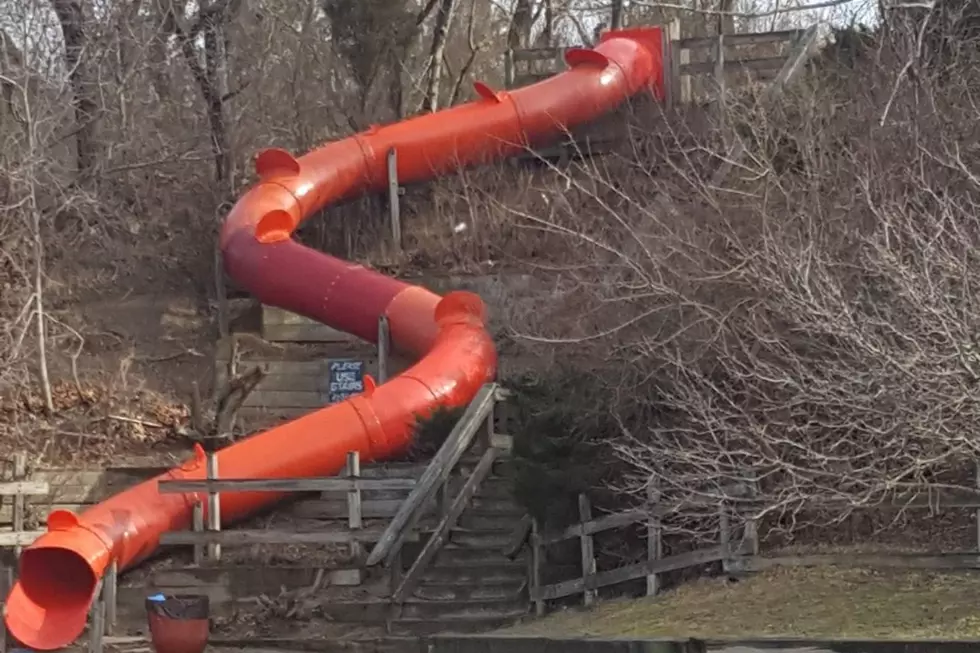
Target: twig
133	420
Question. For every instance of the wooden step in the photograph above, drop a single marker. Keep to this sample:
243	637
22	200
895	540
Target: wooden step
481	521
358	644
440	574
462	624
495	539
381	611
484	589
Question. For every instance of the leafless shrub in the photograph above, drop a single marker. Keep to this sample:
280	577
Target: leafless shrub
806	328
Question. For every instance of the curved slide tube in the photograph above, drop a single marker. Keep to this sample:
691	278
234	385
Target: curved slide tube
59	573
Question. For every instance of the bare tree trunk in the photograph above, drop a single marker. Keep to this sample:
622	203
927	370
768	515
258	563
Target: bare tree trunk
548	33
211	79
216	63
439	37
470	60
38	243
519	33
396	91
72	20
726	22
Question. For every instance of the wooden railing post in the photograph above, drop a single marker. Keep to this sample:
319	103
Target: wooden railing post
750	532
724	534
588	549
489	429
214	507
20	504
655	545
6	583
667	39
109	593
96	629
720	77
354	514
197	525
394	199
534	580
384	348
977	481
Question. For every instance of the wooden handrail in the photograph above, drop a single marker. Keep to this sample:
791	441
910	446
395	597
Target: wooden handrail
754	38
459	440
328	484
438	538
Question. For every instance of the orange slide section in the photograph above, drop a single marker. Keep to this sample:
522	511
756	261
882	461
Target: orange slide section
59	573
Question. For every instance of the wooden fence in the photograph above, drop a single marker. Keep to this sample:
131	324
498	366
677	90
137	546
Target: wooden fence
656	563
738	553
433	485
685	59
18	489
207	533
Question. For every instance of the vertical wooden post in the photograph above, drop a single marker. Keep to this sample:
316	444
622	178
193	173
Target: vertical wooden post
20	502
109	593
394	210
655	545
509	68
535	579
397	562
588	549
666	47
197	525
616	18
445	498
724	534
977	466
488	427
679	57
6	583
214	508
354	516
751	529
384	347
96	628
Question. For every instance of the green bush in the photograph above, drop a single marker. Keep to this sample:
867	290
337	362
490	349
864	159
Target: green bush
560	442
431	432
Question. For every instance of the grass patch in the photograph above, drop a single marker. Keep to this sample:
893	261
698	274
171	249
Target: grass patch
817	603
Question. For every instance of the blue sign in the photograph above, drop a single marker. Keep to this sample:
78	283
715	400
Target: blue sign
345	378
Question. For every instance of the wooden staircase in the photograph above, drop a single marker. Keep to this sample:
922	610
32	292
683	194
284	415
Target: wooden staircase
436	558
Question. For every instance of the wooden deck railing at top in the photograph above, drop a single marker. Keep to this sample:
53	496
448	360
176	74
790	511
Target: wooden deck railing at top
677	64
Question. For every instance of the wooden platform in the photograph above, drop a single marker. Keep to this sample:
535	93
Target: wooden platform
279	325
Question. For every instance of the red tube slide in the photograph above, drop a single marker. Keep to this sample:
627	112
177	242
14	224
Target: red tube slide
59	572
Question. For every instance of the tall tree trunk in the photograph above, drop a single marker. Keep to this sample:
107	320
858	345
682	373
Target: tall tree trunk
216	66
519	34
212	78
72	20
439	37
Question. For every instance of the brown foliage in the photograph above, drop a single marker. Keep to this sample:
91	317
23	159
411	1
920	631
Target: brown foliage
807	327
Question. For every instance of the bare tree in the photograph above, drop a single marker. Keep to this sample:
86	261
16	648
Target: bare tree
440	35
71	16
